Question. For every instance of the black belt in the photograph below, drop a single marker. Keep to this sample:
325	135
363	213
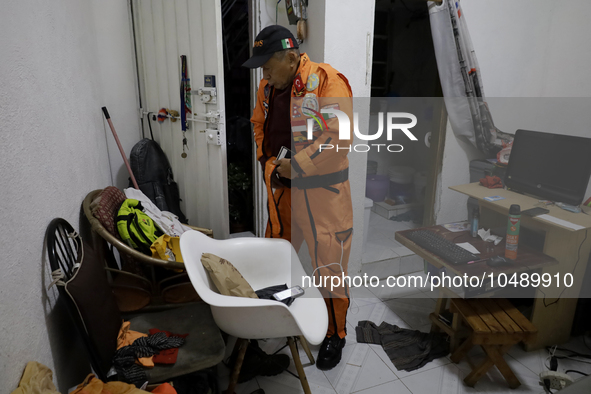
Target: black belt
316	181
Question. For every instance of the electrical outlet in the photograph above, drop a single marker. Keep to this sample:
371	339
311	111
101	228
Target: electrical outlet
558	380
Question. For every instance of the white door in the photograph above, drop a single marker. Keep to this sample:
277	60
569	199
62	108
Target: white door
260	191
165	30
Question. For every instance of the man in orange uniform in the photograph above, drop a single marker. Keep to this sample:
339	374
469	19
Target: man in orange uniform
309	192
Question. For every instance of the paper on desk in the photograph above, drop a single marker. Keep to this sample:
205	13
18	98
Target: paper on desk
468	247
457	227
488	237
560	222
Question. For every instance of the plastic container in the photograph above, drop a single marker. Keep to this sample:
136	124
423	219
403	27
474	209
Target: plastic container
480	168
475	223
372	167
402	175
401	183
376	187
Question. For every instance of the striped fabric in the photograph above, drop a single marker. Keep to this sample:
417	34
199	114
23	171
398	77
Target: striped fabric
124	358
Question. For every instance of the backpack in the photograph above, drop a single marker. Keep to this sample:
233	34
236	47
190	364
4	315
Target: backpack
153	174
136	228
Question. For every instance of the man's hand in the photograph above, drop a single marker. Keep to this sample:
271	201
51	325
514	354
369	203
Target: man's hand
284	168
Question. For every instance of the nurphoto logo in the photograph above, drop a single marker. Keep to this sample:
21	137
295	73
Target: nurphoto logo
345	129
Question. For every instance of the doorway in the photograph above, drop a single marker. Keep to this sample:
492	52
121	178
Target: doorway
236	45
404	73
175	40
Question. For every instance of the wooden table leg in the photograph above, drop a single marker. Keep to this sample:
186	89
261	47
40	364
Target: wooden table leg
298	365
477	372
496	355
461	351
239	349
455	326
439	308
480	370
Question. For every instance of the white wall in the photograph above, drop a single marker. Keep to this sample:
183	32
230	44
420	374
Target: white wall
331	39
115	53
347	25
54	78
527	50
531	48
272	13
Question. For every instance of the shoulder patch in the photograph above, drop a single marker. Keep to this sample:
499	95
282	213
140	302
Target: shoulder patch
330	106
312	82
298	83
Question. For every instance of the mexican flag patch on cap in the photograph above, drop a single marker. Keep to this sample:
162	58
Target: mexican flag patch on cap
287	43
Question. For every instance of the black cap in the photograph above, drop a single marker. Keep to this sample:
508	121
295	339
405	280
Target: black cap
271	39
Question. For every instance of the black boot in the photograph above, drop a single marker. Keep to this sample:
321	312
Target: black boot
257	362
330	352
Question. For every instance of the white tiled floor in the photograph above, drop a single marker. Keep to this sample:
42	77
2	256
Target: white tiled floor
382	255
366	369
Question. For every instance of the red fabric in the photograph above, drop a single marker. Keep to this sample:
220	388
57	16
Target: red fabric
164	388
492	182
167	356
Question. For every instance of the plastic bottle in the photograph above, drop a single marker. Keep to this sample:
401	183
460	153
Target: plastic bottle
513	232
475	220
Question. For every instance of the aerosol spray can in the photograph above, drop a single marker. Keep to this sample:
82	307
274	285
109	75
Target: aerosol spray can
513	232
475	220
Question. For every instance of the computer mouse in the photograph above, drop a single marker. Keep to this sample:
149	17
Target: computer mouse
497	261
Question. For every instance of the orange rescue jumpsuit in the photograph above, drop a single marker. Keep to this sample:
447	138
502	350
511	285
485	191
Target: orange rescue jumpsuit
318	209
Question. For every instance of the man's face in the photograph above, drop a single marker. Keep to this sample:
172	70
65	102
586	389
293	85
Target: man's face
279	73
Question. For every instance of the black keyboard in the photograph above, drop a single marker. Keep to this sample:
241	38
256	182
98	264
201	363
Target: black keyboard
440	246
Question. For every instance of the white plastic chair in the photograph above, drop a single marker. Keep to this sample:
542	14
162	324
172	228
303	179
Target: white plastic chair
263	263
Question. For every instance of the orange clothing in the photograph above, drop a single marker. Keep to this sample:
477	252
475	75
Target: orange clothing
93	385
318	208
164	388
126	337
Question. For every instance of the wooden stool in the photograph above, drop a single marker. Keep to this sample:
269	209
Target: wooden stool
496	325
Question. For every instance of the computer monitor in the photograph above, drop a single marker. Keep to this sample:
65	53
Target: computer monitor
551	166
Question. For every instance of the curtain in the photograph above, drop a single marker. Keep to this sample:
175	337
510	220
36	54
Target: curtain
459	73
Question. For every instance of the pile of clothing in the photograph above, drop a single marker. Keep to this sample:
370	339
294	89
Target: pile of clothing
137	351
491	182
407	349
147	229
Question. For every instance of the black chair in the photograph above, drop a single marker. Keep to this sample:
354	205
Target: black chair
79	273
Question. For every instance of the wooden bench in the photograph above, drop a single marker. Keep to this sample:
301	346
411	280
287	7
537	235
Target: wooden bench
494	324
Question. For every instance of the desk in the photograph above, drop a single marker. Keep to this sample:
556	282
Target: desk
528	260
569	247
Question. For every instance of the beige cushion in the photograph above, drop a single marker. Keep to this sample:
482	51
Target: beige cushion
226	277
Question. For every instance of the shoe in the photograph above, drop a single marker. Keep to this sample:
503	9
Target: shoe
257	362
330	352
